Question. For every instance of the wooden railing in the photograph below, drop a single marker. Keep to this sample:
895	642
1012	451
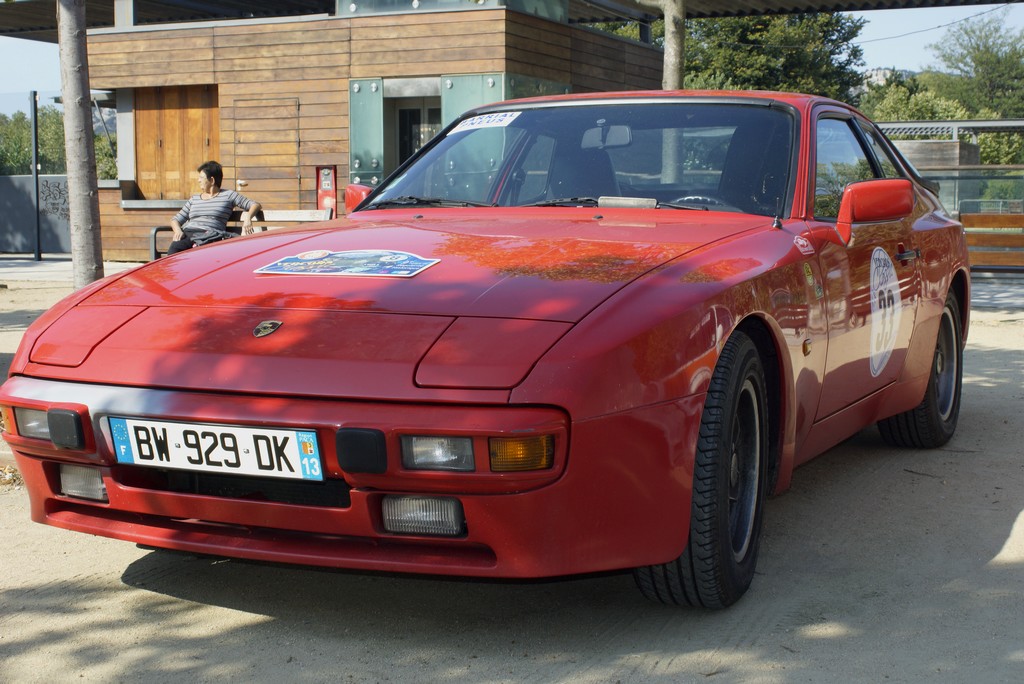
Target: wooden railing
995	241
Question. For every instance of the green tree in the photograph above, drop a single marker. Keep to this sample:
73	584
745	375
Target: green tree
16	145
52	158
809	53
899	103
16	142
999	148
106	157
875	93
983	66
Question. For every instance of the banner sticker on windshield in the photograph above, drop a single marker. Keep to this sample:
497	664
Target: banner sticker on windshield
362	262
496	120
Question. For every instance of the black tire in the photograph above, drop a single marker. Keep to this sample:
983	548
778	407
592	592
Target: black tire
933	422
729	482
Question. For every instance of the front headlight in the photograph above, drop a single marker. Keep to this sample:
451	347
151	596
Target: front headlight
32	423
62	427
433	452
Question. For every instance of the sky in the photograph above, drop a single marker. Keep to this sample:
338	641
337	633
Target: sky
891	38
900	38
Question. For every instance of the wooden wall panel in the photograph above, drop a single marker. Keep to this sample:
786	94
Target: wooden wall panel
125	233
546	45
428	44
601	62
151	59
265	149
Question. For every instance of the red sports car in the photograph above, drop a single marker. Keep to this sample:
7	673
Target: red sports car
571	334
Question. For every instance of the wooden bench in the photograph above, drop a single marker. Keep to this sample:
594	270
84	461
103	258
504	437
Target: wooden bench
995	241
266	219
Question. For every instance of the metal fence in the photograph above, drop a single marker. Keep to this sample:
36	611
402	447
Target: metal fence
980	189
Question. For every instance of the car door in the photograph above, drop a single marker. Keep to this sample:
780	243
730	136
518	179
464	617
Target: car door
872	283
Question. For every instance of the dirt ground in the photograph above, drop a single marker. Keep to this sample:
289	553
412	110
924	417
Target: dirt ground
878	565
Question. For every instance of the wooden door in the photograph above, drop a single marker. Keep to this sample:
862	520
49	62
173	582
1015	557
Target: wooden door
177	128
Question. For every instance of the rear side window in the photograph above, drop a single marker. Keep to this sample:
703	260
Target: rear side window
886	163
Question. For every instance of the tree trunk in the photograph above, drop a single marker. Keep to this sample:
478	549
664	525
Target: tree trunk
673	67
83	198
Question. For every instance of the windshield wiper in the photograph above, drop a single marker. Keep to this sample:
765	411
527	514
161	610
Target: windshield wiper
565	202
413	201
621	202
691	207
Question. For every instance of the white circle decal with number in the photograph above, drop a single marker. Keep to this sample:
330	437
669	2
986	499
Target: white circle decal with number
885	309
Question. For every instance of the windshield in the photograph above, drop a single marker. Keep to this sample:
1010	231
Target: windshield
708	155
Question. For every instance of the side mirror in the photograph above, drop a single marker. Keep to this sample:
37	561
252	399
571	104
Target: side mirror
874	201
354	195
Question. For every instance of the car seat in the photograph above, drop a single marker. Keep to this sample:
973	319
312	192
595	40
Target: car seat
582	173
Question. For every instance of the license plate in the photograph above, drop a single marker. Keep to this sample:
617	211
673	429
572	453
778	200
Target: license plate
266	452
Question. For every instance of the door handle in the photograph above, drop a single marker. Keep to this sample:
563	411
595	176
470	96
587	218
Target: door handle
908	255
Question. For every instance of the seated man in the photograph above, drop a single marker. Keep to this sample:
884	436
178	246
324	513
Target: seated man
204	218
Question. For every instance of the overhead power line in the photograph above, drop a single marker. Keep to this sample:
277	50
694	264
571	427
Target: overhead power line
936	28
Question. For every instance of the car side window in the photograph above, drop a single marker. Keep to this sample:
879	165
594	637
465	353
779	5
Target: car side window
840	160
884	158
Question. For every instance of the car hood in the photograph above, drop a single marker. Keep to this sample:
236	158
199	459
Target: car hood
385	300
540	264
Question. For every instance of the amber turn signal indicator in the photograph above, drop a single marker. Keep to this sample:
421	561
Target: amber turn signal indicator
514	454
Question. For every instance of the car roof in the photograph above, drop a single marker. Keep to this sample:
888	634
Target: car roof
798	101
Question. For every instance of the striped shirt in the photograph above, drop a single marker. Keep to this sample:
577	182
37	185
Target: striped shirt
206	220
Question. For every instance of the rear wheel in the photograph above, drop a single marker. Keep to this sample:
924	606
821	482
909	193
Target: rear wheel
933	422
729	482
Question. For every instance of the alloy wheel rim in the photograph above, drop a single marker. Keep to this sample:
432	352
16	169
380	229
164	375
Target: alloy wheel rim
946	366
744	471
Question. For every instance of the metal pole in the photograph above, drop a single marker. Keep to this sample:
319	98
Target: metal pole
34	108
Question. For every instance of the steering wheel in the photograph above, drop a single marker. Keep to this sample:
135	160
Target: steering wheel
699	199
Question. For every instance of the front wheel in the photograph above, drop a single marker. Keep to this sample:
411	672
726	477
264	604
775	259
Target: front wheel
932	422
729	482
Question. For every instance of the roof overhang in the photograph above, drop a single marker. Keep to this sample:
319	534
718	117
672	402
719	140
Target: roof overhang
36	19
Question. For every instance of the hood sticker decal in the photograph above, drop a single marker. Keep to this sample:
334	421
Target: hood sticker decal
362	262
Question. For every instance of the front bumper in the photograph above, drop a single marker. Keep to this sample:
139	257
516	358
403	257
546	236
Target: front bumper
617	496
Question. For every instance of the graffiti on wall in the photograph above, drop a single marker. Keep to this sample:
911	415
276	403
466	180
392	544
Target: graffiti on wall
53	199
22	226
